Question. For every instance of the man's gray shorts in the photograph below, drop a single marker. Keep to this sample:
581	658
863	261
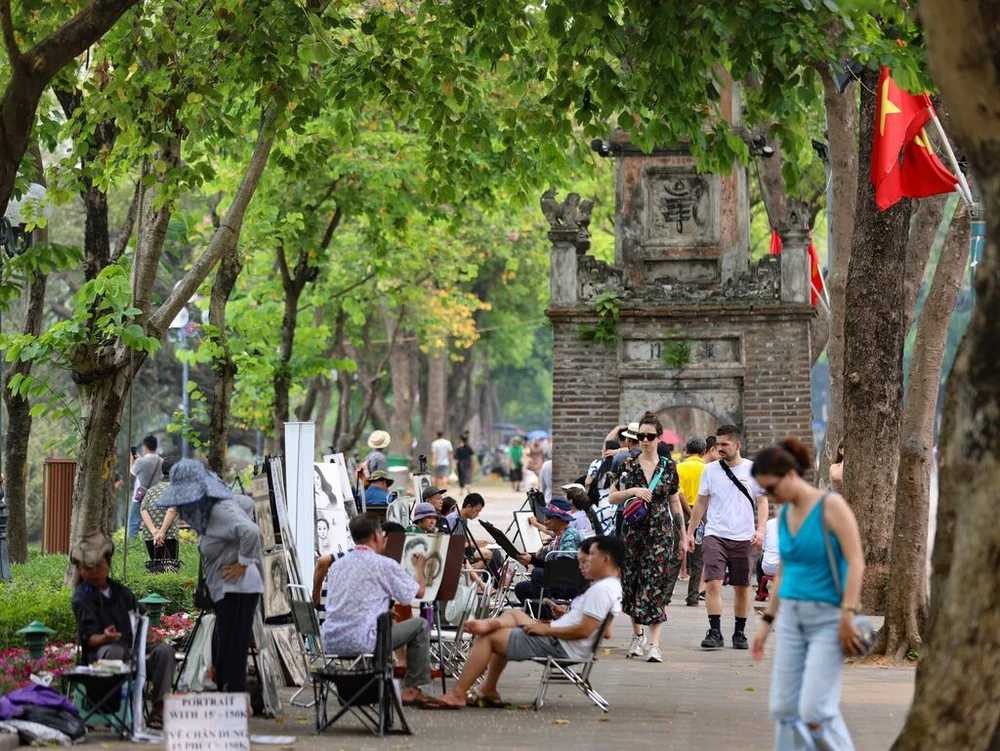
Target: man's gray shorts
442	470
524	646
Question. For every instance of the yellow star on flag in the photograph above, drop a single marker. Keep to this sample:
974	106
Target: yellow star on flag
888	107
922	141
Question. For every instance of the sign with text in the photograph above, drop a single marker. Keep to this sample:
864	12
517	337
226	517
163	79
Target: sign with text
206	722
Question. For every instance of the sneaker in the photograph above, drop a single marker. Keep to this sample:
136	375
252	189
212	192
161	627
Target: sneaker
740	641
654	654
691	603
713	640
635	649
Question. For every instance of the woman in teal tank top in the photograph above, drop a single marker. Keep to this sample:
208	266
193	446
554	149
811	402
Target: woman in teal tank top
816	628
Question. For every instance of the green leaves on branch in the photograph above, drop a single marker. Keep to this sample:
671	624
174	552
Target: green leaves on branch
605	331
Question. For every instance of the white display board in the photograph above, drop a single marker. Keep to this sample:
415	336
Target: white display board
206	722
300	448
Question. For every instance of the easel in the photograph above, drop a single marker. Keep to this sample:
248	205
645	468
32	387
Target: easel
526	505
454	557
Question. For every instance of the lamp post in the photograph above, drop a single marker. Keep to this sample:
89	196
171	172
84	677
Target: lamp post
15	238
179	332
35	636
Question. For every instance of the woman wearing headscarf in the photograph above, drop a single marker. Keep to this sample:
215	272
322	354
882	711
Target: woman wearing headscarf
232	562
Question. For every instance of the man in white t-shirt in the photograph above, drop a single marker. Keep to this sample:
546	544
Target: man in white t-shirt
516	636
443	454
731	533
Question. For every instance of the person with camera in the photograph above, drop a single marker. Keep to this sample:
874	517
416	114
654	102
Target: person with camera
817	586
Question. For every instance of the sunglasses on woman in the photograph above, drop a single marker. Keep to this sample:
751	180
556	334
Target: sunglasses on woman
647	436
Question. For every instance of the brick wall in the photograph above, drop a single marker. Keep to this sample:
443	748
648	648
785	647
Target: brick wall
766	389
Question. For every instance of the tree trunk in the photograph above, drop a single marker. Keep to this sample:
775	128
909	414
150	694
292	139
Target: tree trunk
31	72
907	609
403	356
873	361
104	374
223	365
19	409
436	410
957	700
842	123
927	217
323	411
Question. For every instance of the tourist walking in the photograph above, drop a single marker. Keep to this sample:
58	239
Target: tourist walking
820	549
729	490
443	454
649	542
463	463
516	455
689	477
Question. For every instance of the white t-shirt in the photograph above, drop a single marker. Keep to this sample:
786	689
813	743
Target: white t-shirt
771	556
442	448
730	514
582	522
601	598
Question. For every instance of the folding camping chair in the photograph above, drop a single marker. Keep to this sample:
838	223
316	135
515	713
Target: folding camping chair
573	671
363	686
105	698
560	572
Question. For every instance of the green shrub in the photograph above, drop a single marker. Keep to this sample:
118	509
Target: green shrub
37	591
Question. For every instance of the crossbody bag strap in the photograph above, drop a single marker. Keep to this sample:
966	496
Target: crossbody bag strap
739	485
828	545
658	476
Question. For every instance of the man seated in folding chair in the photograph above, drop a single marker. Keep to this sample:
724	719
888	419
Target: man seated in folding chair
101	607
516	636
558	520
359	587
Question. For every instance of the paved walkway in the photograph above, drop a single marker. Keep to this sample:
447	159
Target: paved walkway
693	700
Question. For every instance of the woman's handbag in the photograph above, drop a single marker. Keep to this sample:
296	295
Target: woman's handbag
862	623
635	510
160	564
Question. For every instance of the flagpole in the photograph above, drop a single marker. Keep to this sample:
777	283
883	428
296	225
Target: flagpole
965	191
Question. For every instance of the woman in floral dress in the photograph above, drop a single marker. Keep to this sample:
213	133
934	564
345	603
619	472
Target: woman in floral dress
650	543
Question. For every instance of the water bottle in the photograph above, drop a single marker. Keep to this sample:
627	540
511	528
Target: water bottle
699	534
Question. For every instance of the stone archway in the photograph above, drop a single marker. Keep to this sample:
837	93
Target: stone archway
688	421
697	324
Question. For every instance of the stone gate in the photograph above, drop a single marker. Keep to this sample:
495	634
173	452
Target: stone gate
700	326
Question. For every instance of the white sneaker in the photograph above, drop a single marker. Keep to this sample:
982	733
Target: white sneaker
654	654
635	649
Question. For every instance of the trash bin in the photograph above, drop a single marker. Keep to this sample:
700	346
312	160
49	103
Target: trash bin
57	504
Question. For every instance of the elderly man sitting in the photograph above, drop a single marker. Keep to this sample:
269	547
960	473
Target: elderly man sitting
359	587
101	607
515	636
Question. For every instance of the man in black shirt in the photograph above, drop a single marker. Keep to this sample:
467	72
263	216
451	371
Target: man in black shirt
101	607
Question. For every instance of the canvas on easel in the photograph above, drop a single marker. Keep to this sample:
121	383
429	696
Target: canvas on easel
444	556
528	535
263	510
332	533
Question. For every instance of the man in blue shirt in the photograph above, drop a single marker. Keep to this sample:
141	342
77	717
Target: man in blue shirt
377	492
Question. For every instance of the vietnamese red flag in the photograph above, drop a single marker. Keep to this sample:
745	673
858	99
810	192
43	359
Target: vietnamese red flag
899	116
921	173
816	276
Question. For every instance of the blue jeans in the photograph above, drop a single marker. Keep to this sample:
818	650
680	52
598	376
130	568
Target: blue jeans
134	518
805	681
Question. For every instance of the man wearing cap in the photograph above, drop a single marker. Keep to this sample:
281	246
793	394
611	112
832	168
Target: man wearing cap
424	519
558	517
433	497
101	607
377	490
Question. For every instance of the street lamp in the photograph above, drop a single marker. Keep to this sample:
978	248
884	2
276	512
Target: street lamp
180	329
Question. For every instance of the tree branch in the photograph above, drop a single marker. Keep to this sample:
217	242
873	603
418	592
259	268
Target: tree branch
228	232
353	286
125	231
13	51
338	214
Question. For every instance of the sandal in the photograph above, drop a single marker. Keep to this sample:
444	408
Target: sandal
420	699
485	702
155	721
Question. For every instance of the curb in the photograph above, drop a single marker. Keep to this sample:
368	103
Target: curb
9	741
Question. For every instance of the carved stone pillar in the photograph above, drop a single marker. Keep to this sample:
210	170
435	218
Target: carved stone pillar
795	271
570	237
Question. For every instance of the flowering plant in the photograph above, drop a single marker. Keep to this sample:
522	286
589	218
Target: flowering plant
16	665
175	627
